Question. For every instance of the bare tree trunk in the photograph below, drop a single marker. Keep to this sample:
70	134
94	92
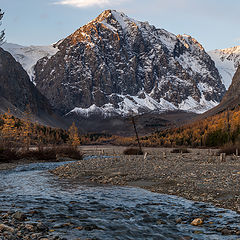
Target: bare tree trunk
135	129
228	125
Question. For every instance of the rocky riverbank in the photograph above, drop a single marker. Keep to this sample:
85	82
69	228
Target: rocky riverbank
15	226
199	175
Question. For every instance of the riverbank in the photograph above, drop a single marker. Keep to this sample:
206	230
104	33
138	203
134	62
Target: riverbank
199	175
16	163
11	158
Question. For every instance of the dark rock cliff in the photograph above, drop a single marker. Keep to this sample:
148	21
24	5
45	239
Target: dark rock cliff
17	92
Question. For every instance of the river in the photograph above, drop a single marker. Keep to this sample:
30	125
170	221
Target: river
106	212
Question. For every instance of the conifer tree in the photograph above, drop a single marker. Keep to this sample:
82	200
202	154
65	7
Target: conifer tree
73	135
10	134
27	128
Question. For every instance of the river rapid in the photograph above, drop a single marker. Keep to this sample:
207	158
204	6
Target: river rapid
73	210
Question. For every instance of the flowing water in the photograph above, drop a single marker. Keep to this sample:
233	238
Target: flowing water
106	212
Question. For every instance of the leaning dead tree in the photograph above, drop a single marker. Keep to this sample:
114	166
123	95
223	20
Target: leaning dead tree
135	129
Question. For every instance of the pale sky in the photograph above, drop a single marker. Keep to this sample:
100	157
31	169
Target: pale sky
214	23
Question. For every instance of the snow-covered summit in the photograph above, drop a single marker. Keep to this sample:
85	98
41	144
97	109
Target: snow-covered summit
226	60
116	65
28	56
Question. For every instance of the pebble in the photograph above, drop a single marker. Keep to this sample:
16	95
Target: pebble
179	220
197	222
226	231
6	228
19	216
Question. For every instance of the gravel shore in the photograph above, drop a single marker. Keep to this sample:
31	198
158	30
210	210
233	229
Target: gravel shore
199	175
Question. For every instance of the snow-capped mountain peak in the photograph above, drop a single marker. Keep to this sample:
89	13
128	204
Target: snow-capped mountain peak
115	64
29	55
227	61
190	42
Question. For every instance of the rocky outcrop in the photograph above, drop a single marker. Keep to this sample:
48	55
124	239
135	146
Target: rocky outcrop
17	91
115	65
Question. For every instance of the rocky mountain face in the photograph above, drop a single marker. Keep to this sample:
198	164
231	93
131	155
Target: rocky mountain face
233	93
227	61
17	92
230	100
115	65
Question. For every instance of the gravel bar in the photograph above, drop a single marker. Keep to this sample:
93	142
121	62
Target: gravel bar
199	175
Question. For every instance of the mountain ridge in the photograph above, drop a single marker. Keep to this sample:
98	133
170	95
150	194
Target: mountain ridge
227	60
115	65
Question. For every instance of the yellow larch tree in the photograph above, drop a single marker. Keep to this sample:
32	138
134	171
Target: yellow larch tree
73	135
27	130
9	131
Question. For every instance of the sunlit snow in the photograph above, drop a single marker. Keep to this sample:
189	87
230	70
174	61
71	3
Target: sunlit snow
226	60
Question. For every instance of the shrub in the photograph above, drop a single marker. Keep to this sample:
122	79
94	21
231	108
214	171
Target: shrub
8	155
180	150
229	149
69	151
133	151
52	153
40	154
45	154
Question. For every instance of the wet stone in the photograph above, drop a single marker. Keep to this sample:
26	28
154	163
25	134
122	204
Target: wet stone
6	228
30	227
179	220
226	231
42	227
19	216
197	222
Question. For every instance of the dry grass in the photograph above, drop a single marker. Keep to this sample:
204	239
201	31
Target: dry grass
230	149
180	150
7	155
40	154
69	151
45	154
132	151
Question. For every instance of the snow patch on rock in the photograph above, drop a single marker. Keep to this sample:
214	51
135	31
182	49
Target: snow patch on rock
137	105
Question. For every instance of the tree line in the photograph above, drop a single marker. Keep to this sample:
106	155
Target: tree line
15	132
215	131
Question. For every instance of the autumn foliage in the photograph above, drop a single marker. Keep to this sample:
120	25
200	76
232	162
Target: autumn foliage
17	135
214	131
73	136
15	132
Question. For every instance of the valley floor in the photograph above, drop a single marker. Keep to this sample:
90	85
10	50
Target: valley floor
198	175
